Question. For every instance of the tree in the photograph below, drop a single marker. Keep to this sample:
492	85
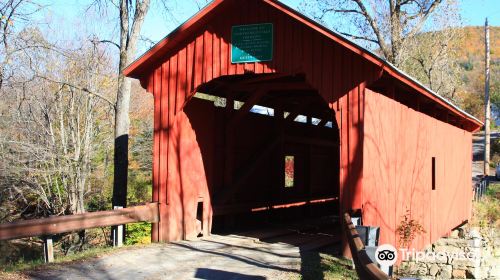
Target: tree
54	121
13	13
389	24
433	61
395	30
132	14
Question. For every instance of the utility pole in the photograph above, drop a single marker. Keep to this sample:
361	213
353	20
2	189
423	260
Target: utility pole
487	109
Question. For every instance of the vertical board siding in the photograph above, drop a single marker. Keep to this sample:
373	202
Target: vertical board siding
370	172
208	59
181	80
216	55
199	65
155	83
317	66
162	80
404	141
327	73
190	69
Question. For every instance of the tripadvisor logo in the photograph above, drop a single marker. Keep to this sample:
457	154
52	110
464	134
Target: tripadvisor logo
386	255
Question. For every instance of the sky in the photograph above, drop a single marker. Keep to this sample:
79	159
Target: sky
69	18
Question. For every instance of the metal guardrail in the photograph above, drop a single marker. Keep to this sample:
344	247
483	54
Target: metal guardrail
480	188
61	224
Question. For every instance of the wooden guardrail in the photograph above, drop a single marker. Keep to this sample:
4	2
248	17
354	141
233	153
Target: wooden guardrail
61	224
365	268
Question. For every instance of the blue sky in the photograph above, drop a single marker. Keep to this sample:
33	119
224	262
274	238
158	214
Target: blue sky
70	18
475	11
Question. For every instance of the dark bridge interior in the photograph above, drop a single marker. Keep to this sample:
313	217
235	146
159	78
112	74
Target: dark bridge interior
270	147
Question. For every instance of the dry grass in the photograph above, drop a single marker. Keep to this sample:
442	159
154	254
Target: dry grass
486	212
12	276
17	269
326	266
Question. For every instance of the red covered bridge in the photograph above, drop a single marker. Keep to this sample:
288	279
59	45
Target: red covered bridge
353	131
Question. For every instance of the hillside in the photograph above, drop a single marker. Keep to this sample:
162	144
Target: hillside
473	43
470	54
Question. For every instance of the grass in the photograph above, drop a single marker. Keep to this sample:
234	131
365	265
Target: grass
337	268
16	270
137	234
326	266
486	212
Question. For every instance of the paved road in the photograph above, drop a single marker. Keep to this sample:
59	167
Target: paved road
217	257
478	154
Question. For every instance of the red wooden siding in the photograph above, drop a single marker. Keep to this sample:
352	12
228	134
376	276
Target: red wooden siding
399	144
337	73
385	147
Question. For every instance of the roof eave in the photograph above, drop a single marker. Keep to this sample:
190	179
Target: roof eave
137	68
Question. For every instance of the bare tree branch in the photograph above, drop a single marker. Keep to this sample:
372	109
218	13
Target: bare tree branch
110	42
375	27
110	102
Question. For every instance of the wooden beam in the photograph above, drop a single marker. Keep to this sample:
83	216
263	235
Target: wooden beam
323	122
61	224
247	106
326	118
291	117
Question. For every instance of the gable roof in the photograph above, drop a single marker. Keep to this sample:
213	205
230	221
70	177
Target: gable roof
140	67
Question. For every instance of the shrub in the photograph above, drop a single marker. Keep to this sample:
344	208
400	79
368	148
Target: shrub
138	233
408	229
467	65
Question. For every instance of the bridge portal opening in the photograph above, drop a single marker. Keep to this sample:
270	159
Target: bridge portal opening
270	149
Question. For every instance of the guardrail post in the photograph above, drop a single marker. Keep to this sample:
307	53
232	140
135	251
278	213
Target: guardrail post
117	232
48	249
482	189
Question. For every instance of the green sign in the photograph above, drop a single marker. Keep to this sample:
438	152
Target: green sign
252	43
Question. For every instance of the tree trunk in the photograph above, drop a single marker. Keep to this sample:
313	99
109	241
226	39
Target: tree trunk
129	34
122	123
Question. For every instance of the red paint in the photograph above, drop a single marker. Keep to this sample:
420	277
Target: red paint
188	145
399	144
